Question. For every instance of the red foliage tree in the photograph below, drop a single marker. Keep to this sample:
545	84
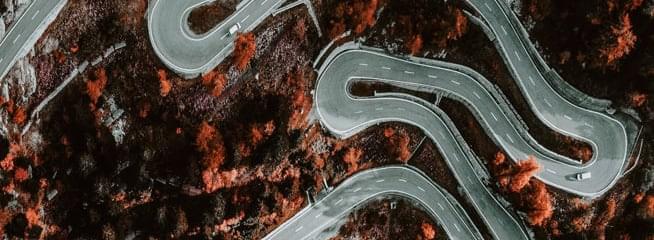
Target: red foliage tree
365	15
647	207
539	202
398	144
95	87
499	159
19	116
415	44
215	81
622	41
165	84
351	158
210	142
523	172
20	174
244	49
428	231
359	13
460	25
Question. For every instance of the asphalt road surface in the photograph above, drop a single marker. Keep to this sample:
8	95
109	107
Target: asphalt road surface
345	115
190	54
400	181
26	30
606	135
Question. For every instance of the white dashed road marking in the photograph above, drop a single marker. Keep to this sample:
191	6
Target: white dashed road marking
494	117
245	18
517	55
489	8
16	39
36	13
386	68
421	189
504	30
532	81
509	137
432	76
550	170
567	117
476	95
409	72
402	180
298	229
455	82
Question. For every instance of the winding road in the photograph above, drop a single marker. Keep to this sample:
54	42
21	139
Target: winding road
190	54
26	31
344	115
606	135
402	181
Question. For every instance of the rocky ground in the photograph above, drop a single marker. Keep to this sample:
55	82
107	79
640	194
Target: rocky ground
131	150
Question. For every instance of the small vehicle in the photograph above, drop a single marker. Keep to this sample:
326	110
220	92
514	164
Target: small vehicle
234	28
582	176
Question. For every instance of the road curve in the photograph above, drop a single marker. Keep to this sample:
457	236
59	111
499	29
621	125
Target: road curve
478	94
356	190
190	54
26	31
606	135
345	115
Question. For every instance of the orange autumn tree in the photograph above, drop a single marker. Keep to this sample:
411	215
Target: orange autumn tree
364	15
215	81
621	41
460	25
523	172
210	142
359	13
165	84
428	231
415	44
352	158
244	49
539	203
398	144
95	87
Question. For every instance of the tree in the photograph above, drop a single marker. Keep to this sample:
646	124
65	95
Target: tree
95	87
499	158
523	172
620	42
215	81
364	15
428	231
351	158
244	49
398	144
647	207
415	44
460	25
164	83
540	203
19	116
